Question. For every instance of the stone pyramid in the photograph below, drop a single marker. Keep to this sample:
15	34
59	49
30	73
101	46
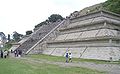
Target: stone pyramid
93	35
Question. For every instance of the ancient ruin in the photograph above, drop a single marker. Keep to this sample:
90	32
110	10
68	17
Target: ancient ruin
92	35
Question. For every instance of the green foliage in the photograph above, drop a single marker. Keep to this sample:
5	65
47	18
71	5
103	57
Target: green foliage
29	32
55	17
40	24
2	36
17	36
112	5
52	18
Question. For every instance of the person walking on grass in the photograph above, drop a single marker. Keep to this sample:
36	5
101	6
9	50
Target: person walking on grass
1	53
70	56
67	56
5	53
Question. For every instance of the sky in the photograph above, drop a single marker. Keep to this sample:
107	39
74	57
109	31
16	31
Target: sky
23	15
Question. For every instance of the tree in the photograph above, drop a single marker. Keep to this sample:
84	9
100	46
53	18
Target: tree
55	17
3	37
29	32
17	36
52	18
112	5
40	24
8	37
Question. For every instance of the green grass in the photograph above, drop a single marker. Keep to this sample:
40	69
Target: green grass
47	57
20	66
62	59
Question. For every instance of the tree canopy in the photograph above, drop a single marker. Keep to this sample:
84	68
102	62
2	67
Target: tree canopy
55	17
17	36
29	32
52	18
8	37
2	36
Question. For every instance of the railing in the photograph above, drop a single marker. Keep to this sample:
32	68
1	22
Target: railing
45	36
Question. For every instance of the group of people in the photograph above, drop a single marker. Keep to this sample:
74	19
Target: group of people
4	54
18	53
68	57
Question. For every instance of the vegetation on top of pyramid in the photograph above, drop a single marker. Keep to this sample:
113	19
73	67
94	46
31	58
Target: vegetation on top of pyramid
16	36
112	5
109	5
29	32
53	18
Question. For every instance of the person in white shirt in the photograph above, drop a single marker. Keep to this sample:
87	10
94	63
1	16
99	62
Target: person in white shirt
5	53
70	56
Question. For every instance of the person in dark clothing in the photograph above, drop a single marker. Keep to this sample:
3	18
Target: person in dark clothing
11	51
19	53
67	57
1	54
15	52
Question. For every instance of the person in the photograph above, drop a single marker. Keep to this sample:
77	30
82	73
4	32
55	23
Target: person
19	53
1	53
5	53
11	51
66	57
70	56
15	52
8	52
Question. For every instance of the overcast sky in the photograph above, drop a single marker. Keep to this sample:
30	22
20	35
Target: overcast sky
23	15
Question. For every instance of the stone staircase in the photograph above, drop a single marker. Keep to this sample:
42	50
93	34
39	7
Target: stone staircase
26	43
38	47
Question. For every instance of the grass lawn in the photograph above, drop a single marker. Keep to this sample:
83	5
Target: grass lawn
22	66
62	59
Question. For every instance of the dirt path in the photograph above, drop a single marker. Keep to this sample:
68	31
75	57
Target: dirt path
109	68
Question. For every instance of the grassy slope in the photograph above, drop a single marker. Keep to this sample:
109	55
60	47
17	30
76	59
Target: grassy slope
62	59
16	66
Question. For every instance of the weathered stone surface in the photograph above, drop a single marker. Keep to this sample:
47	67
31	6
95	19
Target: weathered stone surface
92	36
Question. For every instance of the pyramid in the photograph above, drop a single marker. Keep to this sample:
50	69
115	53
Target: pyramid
93	35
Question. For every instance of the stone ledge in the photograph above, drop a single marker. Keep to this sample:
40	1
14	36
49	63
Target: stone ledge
86	39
